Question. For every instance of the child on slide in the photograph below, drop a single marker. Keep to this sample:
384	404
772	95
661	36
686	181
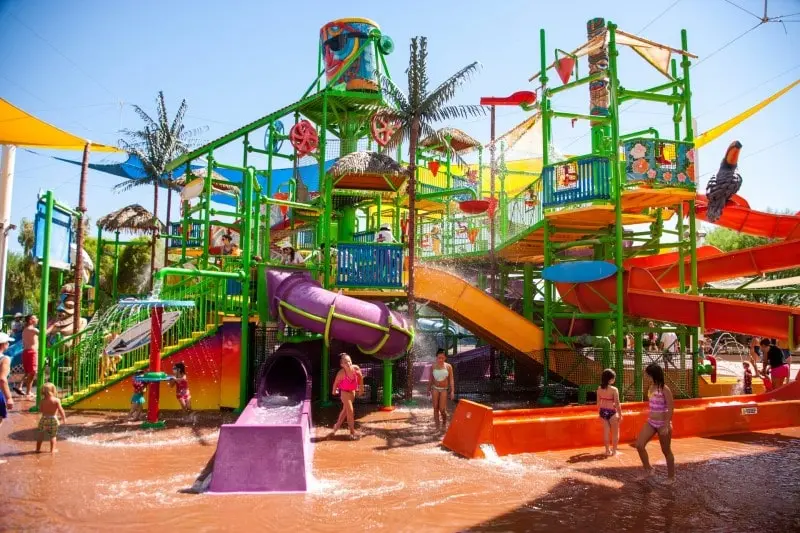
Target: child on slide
610	409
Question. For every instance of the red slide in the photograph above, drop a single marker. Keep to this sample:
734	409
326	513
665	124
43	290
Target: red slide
738	216
645	298
715	265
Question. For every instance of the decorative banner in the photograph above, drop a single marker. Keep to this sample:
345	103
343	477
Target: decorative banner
433	166
564	68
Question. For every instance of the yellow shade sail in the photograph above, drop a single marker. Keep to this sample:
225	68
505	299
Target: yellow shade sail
19	128
713	133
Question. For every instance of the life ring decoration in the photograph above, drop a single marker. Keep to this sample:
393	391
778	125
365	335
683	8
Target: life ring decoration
304	138
382	128
277	138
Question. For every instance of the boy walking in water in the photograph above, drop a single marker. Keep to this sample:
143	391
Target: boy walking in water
30	353
51	409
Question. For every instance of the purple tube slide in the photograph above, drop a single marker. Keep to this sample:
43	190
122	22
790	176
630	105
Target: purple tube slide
301	302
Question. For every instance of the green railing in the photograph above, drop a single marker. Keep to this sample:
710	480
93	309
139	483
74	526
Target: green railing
77	365
463	235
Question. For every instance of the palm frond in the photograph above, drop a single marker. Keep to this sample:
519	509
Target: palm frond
447	89
415	95
148	121
177	127
163	117
393	92
423	66
454	112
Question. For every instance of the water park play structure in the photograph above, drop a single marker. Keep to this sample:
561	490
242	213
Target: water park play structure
571	229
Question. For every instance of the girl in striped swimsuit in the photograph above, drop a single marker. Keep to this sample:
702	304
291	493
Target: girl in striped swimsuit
659	421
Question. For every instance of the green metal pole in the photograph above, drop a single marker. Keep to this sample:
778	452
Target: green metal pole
184	229
387	386
114	292
687	102
527	291
616	177
245	239
681	252
207	218
98	256
327	183
44	295
548	251
637	366
548	303
687	91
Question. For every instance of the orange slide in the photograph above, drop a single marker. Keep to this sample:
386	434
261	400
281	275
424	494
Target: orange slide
513	431
715	265
645	298
738	216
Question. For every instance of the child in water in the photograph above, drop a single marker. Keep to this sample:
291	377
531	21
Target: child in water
610	410
659	421
51	409
181	384
137	400
748	378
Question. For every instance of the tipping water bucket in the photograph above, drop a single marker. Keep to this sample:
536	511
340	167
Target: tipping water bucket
343	40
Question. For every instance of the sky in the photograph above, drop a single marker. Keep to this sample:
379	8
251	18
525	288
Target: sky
82	65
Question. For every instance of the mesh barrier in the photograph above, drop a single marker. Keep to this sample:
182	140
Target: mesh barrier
263	343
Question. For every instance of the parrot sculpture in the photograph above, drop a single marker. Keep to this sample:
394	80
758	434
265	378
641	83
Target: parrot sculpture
725	183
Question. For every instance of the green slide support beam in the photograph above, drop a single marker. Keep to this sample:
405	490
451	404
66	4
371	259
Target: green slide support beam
387	385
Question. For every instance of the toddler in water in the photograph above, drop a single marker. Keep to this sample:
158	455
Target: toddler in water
51	409
137	400
610	410
181	385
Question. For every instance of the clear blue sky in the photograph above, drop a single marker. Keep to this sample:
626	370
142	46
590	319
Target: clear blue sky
79	65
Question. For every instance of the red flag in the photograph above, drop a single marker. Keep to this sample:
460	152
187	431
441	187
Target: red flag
564	68
433	166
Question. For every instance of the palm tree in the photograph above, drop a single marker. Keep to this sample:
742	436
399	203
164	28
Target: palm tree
415	115
156	144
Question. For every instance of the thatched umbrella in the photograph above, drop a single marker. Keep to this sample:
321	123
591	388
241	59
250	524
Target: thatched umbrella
130	219
133	219
179	183
460	142
367	171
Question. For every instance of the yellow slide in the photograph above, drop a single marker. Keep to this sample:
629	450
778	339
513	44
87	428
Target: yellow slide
492	321
478	312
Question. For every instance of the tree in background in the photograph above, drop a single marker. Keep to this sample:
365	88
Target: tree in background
728	241
415	113
24	273
158	142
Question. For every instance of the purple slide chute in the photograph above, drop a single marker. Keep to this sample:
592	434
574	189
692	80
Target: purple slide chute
301	302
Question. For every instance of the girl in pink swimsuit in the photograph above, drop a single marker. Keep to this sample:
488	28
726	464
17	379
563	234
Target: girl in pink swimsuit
181	384
347	384
659	421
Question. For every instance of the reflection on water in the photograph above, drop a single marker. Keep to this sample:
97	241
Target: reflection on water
396	478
